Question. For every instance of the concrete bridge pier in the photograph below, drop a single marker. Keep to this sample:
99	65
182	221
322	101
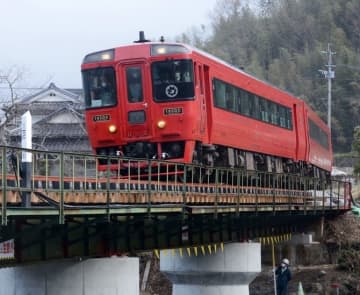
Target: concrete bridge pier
221	273
101	276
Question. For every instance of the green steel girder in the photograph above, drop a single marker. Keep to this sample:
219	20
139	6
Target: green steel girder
85	236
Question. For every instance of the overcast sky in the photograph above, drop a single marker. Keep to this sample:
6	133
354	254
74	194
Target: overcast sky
49	38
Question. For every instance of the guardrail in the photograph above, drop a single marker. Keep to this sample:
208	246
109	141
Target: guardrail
69	180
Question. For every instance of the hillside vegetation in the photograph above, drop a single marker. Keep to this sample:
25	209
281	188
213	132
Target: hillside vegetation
281	41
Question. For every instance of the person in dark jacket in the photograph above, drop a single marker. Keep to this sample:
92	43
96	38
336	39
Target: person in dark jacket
283	276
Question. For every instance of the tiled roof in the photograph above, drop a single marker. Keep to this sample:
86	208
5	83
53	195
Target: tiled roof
65	109
79	146
77	91
71	95
55	130
59	130
46	108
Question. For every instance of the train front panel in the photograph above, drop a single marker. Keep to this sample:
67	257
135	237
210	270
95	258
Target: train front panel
144	106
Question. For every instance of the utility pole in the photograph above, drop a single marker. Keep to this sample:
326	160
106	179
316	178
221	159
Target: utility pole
329	74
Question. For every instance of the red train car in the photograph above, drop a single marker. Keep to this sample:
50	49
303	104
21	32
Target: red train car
170	101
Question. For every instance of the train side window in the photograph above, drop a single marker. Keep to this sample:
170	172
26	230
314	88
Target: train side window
257	107
273	113
288	119
254	105
263	110
319	135
267	111
238	100
282	117
219	92
235	99
230	97
134	84
245	106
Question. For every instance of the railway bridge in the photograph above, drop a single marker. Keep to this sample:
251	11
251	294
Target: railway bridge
60	206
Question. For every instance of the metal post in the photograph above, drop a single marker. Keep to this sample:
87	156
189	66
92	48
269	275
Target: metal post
108	175
61	187
149	188
26	160
274	193
216	192
4	187
238	194
273	262
184	190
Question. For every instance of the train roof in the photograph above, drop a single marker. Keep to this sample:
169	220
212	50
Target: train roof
191	49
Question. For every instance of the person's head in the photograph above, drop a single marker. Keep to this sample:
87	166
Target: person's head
285	263
103	81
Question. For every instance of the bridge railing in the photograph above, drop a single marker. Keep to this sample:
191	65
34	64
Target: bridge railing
69	178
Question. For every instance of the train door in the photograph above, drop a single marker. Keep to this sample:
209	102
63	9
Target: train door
208	103
136	113
301	132
202	102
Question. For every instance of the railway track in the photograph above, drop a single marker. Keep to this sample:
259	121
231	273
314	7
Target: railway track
97	191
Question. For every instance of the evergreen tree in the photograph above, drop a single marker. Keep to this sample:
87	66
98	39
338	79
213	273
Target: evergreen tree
281	40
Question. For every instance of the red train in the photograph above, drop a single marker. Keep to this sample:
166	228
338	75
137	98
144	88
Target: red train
170	101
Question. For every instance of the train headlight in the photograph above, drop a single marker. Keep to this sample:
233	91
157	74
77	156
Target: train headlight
161	50
106	55
161	124
112	128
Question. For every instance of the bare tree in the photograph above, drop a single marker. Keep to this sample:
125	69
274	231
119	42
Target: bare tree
9	81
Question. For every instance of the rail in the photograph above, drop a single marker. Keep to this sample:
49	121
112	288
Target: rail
68	181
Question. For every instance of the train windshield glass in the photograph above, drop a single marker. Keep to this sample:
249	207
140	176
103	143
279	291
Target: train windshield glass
99	87
319	135
172	80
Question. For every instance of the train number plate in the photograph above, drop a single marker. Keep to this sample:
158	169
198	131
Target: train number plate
99	118
173	111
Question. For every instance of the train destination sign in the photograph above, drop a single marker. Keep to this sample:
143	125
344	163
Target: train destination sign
98	118
173	111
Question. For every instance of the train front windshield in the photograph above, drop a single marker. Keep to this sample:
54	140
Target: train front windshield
172	80
99	87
